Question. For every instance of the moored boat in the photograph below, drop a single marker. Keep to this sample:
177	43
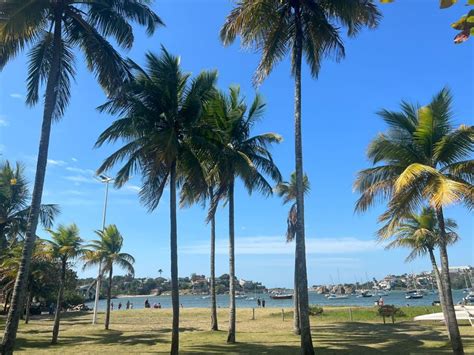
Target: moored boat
281	297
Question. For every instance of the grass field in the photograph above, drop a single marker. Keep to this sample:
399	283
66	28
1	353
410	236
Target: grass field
148	331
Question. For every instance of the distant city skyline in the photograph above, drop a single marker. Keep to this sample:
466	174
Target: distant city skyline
384	66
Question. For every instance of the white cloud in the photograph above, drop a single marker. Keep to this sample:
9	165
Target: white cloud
16	95
133	188
80	179
278	245
54	162
3	121
74	160
80	171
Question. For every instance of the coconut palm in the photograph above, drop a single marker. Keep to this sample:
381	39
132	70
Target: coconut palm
108	251
65	246
52	30
422	157
299	27
41	269
14	205
287	190
159	111
420	233
243	156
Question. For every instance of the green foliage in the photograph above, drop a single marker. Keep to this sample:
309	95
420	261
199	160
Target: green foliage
269	26
84	25
315	311
14	205
421	157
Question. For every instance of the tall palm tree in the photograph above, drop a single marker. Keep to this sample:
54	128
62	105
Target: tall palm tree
299	27
53	29
190	195
420	233
243	156
159	110
65	246
14	205
287	190
422	157
108	250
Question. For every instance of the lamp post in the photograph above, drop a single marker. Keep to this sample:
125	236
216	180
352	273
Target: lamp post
106	180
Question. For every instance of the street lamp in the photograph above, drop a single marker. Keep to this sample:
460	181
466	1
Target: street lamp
105	180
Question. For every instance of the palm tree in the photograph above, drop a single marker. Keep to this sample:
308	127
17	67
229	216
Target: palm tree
14	205
108	250
53	29
420	233
298	27
424	159
160	271
159	110
287	190
65	246
240	156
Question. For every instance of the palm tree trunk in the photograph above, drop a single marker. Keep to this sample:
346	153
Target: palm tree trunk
439	284
450	316
109	297
306	340
17	301
174	262
27	307
296	312
214	325
3	239
231	333
57	314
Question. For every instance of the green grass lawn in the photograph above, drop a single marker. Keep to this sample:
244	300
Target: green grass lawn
148	331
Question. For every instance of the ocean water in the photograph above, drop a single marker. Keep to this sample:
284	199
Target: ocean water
396	298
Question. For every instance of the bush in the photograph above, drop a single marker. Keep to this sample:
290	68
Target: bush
315	310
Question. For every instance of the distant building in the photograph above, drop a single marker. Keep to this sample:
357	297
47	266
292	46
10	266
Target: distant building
87	291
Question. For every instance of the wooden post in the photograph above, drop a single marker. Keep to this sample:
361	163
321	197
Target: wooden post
350	313
253	313
283	314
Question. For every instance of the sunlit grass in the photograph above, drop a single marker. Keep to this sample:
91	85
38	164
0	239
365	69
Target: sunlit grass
148	331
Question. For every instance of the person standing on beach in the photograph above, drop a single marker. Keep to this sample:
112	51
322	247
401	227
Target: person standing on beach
112	306
258	302
120	306
263	303
128	305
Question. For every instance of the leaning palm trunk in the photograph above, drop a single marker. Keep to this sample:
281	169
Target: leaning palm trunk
17	301
302	287
231	333
109	297
57	314
27	307
174	262
439	283
214	325
450	314
296	312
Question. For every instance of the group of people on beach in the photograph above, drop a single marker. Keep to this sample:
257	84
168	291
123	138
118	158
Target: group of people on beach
260	302
155	305
128	305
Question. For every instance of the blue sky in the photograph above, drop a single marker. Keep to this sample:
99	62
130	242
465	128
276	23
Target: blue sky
410	56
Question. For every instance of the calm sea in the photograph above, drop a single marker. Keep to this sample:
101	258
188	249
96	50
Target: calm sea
395	297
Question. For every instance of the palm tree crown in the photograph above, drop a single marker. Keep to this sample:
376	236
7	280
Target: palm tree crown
420	233
14	204
66	244
424	158
269	26
83	24
108	249
287	190
159	111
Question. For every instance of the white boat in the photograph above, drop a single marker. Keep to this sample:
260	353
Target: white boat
333	296
462	313
414	294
